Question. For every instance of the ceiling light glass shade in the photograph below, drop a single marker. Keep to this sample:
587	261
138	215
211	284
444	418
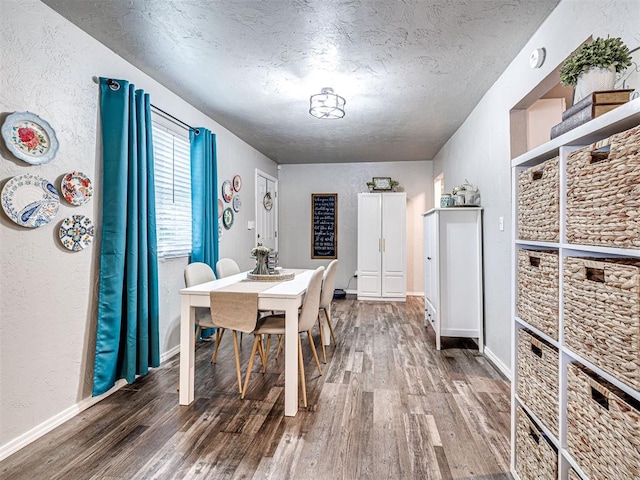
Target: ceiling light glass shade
326	104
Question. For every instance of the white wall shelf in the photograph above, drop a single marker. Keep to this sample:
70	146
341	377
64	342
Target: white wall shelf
538	332
622	118
550	435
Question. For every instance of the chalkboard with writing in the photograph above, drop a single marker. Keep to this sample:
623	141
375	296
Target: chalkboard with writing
324	222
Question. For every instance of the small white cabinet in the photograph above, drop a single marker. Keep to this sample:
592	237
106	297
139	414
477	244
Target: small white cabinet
382	246
453	273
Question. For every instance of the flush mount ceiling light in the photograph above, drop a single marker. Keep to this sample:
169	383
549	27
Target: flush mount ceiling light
326	104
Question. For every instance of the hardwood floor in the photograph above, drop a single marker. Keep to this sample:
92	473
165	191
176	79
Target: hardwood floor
389	406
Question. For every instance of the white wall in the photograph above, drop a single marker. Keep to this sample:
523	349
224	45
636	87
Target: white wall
47	325
479	150
298	182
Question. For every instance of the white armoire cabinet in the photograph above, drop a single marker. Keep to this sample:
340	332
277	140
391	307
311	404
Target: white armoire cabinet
382	246
453	273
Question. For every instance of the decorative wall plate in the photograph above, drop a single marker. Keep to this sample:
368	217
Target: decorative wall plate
76	188
227	191
30	138
227	218
220	208
30	200
267	201
237	183
237	203
76	232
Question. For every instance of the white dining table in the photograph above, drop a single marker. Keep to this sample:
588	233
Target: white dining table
283	296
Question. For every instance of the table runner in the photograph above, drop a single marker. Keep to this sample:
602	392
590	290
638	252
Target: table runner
236	306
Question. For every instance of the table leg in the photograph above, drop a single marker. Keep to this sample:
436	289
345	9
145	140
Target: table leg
291	360
187	354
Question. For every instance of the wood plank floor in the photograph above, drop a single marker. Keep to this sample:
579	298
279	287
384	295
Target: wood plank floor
388	406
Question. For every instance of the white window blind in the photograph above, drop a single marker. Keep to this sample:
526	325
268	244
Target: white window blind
173	191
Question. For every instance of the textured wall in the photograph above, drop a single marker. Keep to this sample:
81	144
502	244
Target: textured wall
479	150
47	293
298	182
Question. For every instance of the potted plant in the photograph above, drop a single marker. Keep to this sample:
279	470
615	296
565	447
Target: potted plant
371	185
593	66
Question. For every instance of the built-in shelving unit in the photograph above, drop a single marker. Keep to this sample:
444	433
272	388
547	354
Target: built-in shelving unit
623	118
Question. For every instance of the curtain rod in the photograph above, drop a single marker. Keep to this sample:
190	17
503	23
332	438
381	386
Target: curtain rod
196	130
111	82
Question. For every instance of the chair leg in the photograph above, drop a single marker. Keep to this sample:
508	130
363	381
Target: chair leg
324	352
313	350
301	368
235	349
328	316
219	334
250	366
263	355
195	339
280	337
266	354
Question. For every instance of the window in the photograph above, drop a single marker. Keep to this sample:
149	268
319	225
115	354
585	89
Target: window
173	189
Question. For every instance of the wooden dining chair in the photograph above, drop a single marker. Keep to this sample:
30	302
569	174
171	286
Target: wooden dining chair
275	325
326	297
195	274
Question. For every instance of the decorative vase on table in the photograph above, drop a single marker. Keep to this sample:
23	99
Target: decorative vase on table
593	80
262	255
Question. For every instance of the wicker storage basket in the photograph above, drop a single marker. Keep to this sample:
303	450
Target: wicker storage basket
602	316
538	377
536	458
538	206
603	426
603	192
538	274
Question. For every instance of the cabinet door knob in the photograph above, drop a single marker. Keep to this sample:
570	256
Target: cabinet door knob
428	258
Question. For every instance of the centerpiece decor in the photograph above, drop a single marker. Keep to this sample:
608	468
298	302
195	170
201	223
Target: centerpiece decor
261	254
593	66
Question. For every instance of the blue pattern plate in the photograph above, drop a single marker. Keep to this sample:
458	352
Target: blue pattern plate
30	200
30	138
76	232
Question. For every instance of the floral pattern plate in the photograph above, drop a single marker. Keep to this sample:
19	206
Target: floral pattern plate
220	208
237	183
76	188
227	218
30	200
30	138
237	203
76	232
227	191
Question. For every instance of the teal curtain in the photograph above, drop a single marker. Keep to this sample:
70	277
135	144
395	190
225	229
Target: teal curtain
204	201
204	198
127	340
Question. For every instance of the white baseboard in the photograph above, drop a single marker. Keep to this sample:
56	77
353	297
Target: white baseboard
409	294
45	427
506	371
169	353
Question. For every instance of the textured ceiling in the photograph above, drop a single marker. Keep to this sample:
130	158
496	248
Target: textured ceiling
410	70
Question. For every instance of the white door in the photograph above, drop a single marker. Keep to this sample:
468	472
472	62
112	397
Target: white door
369	245
266	210
394	282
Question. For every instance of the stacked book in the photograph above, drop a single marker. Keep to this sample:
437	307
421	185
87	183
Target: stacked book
590	107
